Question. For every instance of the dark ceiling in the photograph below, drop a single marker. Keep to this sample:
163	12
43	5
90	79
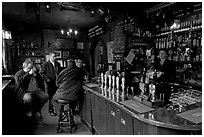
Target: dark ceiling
22	15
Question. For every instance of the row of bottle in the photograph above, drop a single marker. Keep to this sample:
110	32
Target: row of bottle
113	87
164	43
138	42
194	39
183	57
142	32
185	26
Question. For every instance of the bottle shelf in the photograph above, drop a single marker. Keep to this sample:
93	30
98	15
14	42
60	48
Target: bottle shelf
32	56
178	31
188	62
28	48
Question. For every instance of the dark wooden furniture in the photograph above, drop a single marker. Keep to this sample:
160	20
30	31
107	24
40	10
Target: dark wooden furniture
106	117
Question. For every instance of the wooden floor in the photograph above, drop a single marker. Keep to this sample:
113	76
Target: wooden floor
29	127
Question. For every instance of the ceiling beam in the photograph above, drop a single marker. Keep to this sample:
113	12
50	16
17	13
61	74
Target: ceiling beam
159	6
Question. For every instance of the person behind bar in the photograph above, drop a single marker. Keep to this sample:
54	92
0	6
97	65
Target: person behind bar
168	72
69	83
49	72
30	89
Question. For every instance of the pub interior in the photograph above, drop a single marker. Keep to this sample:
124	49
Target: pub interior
142	62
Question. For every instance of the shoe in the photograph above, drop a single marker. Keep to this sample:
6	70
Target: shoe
74	128
53	113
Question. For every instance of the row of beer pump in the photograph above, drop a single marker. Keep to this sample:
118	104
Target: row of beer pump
113	87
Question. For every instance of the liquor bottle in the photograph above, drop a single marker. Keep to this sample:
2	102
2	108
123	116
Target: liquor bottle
152	94
155	75
144	74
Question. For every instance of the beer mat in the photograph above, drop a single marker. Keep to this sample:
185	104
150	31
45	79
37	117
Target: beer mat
91	85
136	106
194	115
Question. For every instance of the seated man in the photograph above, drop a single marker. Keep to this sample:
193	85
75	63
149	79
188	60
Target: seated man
69	82
30	89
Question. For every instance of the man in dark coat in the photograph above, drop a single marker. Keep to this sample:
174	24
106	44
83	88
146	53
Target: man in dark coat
30	89
49	72
69	82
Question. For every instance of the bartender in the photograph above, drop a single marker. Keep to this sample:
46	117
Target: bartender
168	72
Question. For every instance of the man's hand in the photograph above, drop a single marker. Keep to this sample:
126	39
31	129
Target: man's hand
27	98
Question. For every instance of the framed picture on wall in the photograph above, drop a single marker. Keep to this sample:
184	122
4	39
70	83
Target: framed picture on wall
65	43
58	54
80	45
65	54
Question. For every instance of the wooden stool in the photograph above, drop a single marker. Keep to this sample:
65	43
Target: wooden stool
66	117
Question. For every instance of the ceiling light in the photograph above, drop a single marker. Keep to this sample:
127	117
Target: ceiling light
48	7
92	13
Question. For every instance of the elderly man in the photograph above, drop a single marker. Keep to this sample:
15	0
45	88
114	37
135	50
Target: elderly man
49	72
30	89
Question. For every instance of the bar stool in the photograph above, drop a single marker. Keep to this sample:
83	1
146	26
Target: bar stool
66	117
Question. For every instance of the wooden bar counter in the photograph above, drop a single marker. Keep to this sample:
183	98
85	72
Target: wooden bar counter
106	117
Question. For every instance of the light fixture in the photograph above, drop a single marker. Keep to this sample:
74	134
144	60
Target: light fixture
69	33
176	24
48	7
75	32
62	31
100	11
92	13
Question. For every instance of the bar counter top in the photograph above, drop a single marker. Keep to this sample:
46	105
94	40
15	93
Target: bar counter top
159	117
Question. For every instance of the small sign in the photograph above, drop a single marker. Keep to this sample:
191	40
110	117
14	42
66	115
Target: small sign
130	57
95	31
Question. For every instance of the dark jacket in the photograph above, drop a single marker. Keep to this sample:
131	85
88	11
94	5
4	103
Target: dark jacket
168	69
69	82
49	72
22	80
